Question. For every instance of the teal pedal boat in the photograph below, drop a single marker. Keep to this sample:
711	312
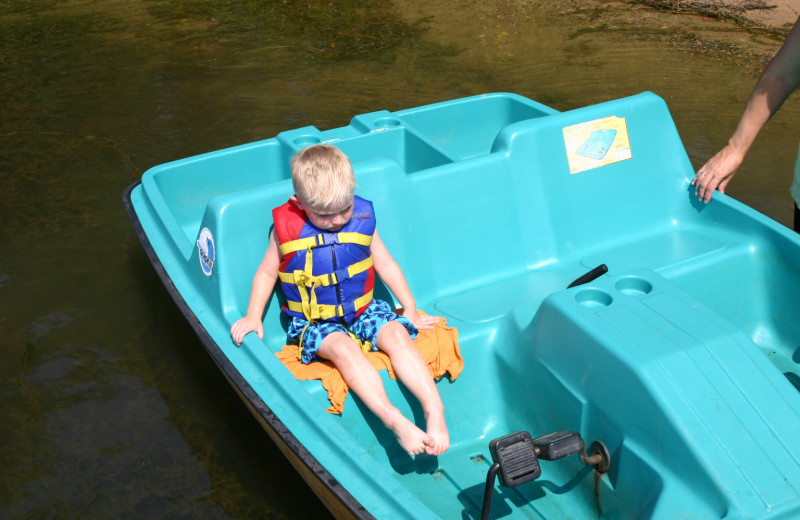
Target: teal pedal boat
664	384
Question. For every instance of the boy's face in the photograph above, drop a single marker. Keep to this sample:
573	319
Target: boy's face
327	219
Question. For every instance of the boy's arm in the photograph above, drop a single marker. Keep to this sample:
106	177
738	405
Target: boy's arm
391	274
263	285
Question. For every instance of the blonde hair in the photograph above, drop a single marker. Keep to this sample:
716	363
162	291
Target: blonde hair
323	177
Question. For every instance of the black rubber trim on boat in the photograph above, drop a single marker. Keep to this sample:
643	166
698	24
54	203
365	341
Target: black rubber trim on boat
235	378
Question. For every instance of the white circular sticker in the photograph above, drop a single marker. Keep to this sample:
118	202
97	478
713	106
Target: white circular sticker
206	251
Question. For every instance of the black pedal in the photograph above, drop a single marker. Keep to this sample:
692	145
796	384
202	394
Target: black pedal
559	444
516	455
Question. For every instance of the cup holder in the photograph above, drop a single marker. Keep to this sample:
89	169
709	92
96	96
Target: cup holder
306	140
593	298
633	286
387	122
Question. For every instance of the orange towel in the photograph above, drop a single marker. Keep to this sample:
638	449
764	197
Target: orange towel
439	347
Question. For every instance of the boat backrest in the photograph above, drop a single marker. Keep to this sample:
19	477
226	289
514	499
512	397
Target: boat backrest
503	215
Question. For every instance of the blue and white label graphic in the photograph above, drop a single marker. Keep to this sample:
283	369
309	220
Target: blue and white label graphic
597	143
206	251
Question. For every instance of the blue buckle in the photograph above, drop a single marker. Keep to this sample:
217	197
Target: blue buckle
342	275
326	239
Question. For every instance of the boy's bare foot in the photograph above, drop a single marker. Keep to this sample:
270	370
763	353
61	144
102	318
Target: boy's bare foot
437	430
413	440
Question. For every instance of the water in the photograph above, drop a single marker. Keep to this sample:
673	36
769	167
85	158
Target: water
110	405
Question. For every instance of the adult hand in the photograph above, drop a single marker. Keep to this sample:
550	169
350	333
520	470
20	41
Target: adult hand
716	173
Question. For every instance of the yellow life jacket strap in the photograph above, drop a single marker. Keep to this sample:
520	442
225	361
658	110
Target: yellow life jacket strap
306	279
317	240
307	283
314	311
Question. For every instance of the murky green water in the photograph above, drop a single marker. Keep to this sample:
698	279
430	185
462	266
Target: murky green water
110	406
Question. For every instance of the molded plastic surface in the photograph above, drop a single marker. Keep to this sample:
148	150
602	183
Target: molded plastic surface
683	359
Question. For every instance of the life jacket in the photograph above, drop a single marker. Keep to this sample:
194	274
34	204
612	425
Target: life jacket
325	276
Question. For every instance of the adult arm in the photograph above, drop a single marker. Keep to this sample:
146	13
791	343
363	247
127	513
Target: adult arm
780	78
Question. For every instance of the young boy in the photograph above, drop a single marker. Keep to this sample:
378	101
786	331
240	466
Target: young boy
325	250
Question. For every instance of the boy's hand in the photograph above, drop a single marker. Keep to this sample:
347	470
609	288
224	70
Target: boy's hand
244	326
421	321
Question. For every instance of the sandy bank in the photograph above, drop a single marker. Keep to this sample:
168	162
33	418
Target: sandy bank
744	32
775	14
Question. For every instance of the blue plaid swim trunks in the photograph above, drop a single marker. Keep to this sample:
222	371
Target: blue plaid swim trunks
365	328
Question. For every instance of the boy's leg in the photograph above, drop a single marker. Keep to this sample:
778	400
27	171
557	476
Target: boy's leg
364	380
412	371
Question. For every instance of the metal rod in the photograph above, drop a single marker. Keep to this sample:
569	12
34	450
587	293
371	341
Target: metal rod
594	460
489	490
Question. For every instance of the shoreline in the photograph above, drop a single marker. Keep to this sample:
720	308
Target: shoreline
779	15
746	33
776	14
